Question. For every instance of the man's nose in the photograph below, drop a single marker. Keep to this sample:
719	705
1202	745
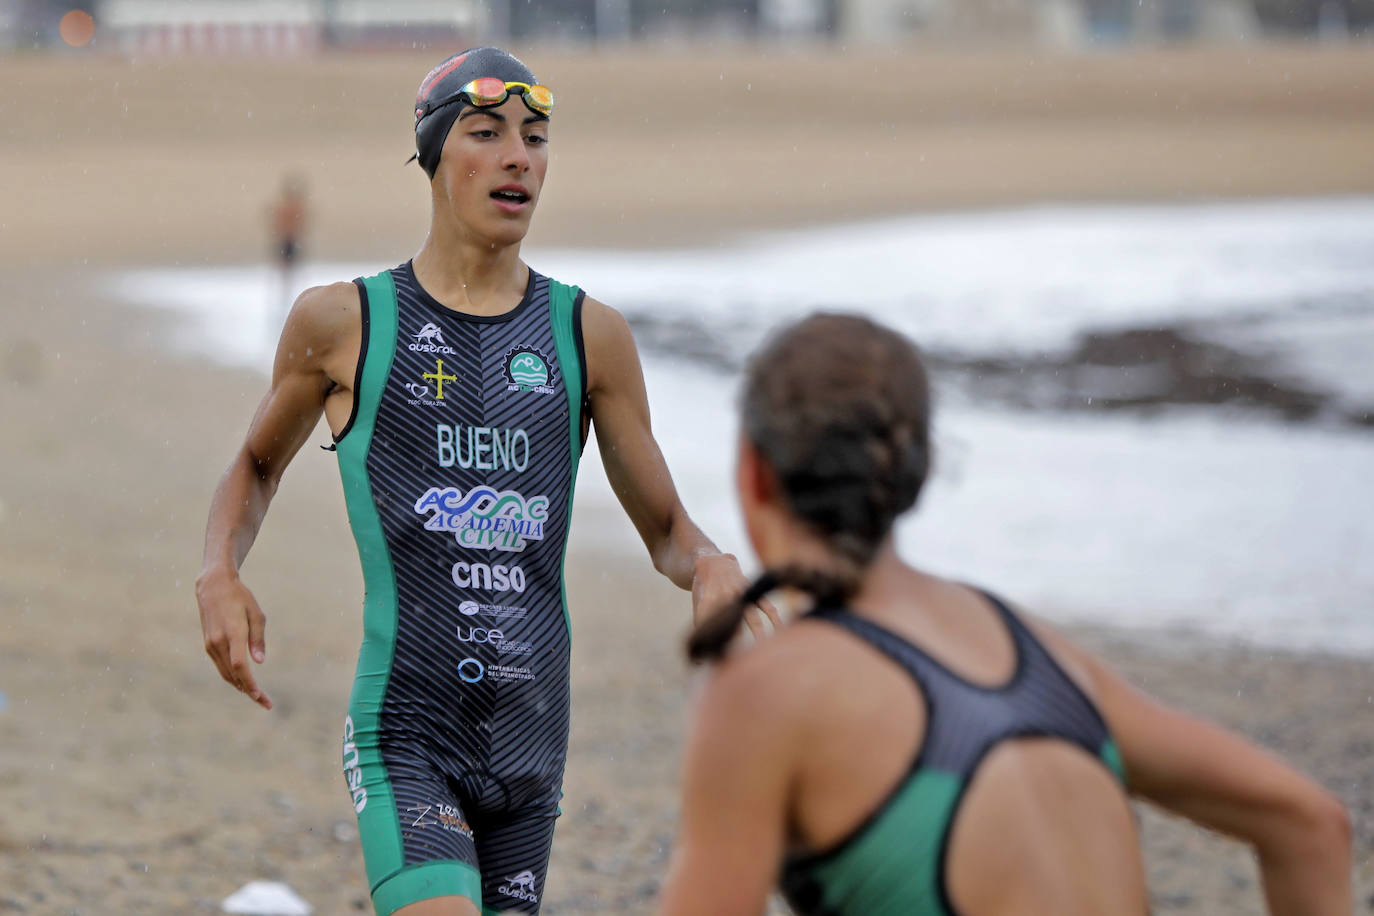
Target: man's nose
514	155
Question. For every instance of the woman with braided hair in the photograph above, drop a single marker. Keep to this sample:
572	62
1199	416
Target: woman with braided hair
911	745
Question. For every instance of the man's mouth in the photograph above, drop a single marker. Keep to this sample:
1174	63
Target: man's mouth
510	195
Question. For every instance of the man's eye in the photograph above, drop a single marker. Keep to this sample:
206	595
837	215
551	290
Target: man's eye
483	134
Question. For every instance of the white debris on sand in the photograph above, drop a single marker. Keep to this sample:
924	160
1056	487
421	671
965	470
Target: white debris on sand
266	898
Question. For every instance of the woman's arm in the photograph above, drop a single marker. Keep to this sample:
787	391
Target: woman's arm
736	786
1301	832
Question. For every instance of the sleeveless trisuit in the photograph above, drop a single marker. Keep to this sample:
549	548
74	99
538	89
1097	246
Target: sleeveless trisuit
458	468
894	863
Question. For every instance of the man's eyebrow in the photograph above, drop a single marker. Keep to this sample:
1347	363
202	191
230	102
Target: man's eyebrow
483	111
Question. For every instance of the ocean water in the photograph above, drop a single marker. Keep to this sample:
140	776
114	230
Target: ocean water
1216	518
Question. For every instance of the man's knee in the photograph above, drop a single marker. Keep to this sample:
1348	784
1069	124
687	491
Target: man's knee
440	906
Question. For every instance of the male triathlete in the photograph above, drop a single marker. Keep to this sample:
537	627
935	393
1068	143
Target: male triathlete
460	387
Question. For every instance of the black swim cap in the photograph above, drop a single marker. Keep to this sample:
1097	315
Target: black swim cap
433	124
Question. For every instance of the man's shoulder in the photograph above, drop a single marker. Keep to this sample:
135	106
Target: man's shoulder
344	292
556	282
322	314
612	358
598	319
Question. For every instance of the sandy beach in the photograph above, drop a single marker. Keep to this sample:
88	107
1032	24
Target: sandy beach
133	781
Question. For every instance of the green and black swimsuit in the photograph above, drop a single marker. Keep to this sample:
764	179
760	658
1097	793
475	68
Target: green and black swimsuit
894	863
458	469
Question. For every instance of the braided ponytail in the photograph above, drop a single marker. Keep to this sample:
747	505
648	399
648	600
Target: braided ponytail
709	641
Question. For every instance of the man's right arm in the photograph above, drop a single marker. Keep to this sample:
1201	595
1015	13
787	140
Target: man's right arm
314	364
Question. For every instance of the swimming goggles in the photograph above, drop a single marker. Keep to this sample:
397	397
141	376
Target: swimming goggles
489	91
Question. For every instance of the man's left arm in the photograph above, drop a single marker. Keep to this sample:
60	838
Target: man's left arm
639	475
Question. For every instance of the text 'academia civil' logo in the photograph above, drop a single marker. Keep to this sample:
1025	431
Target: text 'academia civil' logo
484	518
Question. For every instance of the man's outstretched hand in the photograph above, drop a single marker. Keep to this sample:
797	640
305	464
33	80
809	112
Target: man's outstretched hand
718	582
235	630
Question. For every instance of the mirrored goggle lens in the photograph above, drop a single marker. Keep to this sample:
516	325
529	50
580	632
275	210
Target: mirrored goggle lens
487	90
540	98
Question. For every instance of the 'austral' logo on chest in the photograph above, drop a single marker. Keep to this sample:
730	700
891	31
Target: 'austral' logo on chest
527	369
485	519
430	340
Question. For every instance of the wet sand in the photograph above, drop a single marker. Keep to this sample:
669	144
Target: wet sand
133	781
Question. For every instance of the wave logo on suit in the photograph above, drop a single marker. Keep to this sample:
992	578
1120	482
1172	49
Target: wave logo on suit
485	518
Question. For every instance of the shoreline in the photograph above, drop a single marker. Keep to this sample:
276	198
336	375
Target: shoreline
1038	427
598	506
696	236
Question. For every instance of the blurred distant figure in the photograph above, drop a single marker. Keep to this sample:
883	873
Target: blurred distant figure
288	226
1332	22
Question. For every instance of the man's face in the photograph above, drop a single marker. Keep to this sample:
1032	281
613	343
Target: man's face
492	169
